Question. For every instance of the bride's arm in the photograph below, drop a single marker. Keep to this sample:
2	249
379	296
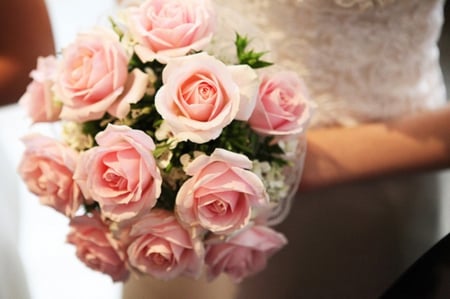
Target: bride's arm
409	144
26	34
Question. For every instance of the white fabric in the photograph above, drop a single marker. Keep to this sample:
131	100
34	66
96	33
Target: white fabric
12	279
35	260
390	68
363	60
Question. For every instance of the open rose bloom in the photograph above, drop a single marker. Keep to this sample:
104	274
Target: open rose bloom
165	29
38	100
172	162
95	248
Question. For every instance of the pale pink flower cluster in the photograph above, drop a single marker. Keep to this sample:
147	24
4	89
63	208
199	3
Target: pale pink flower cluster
38	100
114	190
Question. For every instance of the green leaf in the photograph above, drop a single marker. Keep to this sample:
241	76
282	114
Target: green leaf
116	28
249	57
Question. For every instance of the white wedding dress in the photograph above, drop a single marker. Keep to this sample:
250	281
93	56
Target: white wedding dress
35	260
363	61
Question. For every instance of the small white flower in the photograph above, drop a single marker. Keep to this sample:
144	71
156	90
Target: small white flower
163	132
73	135
186	159
174	176
273	179
164	160
289	146
152	79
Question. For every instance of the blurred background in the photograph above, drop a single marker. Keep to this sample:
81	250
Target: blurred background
444	45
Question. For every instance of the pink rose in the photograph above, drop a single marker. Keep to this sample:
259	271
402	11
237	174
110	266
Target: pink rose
47	168
283	106
38	100
221	194
171	28
243	254
94	78
163	248
201	95
95	247
120	173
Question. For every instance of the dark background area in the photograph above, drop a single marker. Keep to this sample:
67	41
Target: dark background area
444	44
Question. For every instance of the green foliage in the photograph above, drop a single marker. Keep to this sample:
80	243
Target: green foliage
249	57
167	198
116	28
237	137
92	128
89	208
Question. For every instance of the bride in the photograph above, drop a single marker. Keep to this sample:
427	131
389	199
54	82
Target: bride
376	78
373	68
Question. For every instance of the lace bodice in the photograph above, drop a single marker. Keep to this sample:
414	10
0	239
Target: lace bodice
363	60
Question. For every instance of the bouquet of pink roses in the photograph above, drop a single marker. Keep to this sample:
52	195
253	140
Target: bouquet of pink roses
171	160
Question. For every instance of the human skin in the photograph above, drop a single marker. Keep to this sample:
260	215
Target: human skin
415	143
26	35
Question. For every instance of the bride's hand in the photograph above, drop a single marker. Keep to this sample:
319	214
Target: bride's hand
409	144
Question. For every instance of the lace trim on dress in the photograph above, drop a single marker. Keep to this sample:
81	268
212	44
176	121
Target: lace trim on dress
362	4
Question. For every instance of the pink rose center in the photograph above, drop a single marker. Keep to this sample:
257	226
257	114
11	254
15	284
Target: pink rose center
159	260
81	65
119	170
290	103
170	15
206	91
285	101
218	207
162	15
199	98
114	180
